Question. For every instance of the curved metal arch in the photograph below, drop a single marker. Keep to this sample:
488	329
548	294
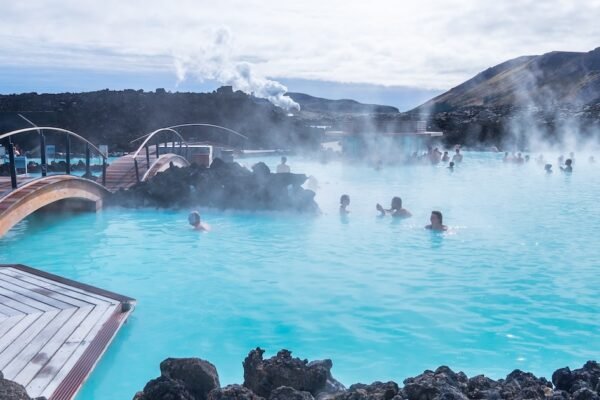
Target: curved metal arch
198	124
151	135
159	163
50	128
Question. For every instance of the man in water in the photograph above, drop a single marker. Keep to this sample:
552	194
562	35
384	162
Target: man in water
568	166
548	168
396	210
344	203
457	158
283	167
436	220
451	166
196	222
445	157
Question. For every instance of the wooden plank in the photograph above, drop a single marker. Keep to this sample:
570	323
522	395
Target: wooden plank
50	376
17	330
50	347
12	303
15	349
9	311
8	323
36	293
25	300
58	287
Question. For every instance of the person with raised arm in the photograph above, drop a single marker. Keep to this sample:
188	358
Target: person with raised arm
396	209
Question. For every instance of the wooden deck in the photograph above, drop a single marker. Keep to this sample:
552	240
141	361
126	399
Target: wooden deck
53	330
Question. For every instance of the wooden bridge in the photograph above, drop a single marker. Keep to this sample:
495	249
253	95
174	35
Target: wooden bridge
21	196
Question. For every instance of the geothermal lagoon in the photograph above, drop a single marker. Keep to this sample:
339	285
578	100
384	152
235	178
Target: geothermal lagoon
512	284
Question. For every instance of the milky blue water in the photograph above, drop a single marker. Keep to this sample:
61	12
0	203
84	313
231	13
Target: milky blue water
514	284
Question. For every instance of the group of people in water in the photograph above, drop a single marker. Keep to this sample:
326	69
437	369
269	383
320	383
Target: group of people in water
565	165
397	211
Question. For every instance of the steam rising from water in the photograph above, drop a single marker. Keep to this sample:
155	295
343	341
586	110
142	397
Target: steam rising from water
213	60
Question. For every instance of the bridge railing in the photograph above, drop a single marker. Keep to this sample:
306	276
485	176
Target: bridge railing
156	135
231	131
6	138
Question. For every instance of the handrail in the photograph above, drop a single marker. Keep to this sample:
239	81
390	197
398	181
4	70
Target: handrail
151	135
197	124
50	128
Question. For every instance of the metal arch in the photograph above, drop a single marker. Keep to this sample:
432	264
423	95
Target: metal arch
151	135
198	124
50	128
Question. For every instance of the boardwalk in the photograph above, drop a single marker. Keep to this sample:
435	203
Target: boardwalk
53	331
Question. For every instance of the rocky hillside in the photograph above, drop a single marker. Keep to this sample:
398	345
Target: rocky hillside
550	80
117	117
345	106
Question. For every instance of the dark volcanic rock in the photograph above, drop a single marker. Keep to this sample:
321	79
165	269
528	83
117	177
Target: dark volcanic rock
587	377
263	376
374	391
223	186
481	387
288	393
443	383
10	390
233	392
524	385
163	388
199	377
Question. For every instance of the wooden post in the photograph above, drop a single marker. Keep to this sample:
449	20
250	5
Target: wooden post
68	156
11	164
87	160
44	162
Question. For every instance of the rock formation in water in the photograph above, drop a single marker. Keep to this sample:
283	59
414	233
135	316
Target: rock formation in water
283	377
222	186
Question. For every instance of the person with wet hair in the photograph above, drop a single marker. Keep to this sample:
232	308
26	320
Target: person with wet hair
568	166
344	203
451	166
445	157
196	222
548	168
437	222
457	158
395	210
283	167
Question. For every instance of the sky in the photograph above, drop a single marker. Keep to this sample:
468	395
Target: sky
424	46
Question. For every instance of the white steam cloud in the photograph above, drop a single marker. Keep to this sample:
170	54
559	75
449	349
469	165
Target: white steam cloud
213	60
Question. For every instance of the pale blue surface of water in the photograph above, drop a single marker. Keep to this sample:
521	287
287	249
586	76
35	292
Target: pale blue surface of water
514	284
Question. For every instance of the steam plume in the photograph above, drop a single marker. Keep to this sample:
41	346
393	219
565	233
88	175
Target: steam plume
214	61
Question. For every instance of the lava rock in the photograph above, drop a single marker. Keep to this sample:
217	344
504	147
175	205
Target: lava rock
263	376
288	393
198	376
481	387
443	383
375	391
10	390
233	392
163	388
585	394
523	385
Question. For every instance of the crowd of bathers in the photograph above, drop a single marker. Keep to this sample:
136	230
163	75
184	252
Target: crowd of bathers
565	165
397	211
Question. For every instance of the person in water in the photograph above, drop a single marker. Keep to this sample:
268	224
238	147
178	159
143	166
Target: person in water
344	203
196	222
283	167
568	166
436	220
396	209
445	157
451	166
548	168
457	158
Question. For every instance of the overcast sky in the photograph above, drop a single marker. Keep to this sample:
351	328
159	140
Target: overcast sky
425	43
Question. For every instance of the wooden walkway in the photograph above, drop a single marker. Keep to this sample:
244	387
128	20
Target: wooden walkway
53	330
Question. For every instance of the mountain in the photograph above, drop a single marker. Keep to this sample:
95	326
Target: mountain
545	81
345	106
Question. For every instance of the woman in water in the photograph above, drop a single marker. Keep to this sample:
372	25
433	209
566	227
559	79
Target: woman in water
196	222
344	202
436	220
396	209
568	166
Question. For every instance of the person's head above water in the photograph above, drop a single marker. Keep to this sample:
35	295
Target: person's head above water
437	221
451	165
283	160
396	203
568	162
194	218
548	167
345	200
